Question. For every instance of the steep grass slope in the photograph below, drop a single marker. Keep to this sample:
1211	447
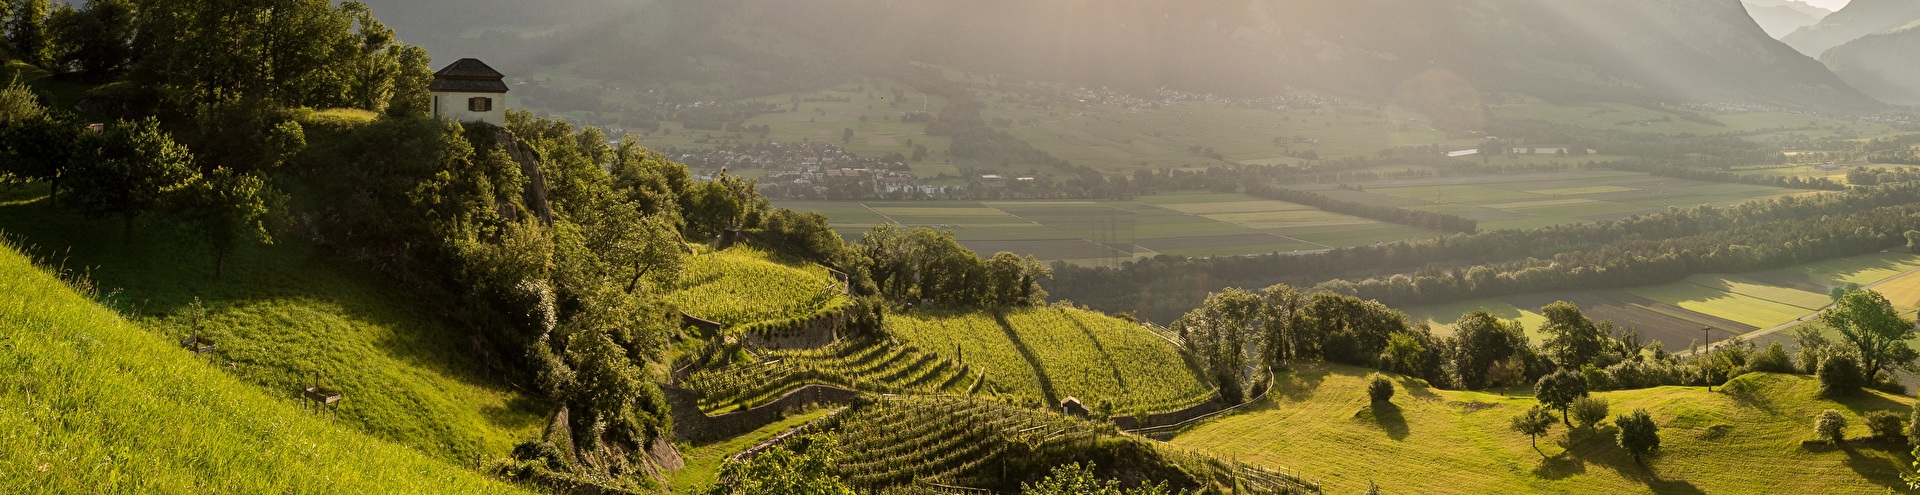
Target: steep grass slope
1743	438
286	313
90	402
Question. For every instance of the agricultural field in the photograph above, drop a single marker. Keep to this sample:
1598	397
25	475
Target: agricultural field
1318	421
1634	118
867	106
741	285
286	314
1048	354
1117	139
1675	313
867	365
1087	231
96	403
1527	201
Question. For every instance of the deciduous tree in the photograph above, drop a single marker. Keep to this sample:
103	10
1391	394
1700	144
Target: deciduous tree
128	170
1533	423
1876	331
1639	435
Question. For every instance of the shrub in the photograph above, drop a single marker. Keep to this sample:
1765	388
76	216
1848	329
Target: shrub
1381	390
1772	360
1913	427
1589	411
1886	425
1839	374
1639	435
1830	425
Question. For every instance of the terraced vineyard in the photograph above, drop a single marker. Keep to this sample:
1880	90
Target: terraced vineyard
865	364
1052	353
909	444
739	286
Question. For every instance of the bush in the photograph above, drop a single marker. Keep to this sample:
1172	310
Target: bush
1839	375
1830	425
1381	390
1589	411
1913	427
1886	425
1772	360
1639	435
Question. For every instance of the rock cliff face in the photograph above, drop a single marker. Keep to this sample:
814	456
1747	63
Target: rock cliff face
1614	50
1885	66
1857	20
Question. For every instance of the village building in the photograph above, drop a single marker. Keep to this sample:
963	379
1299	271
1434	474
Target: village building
470	91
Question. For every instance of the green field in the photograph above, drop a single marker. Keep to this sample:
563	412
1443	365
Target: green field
1633	118
1525	201
92	403
1731	304
1188	224
286	313
1049	354
1319	423
741	285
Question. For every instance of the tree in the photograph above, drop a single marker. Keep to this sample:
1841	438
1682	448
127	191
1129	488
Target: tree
1380	389
27	31
846	135
97	40
1589	411
1075	479
224	209
1913	427
131	168
638	248
1839	374
1218	332
1559	390
1831	426
1482	344
1572	338
1533	423
1875	329
33	145
1639	435
1404	353
411	98
1913	240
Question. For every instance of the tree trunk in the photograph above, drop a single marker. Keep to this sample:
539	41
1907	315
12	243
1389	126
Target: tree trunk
53	196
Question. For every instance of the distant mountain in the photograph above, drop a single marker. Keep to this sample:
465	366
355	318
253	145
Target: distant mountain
1610	50
1857	20
1885	66
1783	17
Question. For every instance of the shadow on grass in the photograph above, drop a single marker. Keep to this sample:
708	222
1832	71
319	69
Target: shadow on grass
1387	416
1879	461
1298	384
1864	401
1033	360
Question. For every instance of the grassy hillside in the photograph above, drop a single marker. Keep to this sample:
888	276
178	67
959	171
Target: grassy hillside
1053	353
286	312
94	403
1436	441
741	285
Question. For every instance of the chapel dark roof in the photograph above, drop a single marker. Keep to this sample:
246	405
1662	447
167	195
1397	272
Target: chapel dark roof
469	76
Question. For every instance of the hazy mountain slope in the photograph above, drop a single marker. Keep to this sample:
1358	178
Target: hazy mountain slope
1886	66
1856	20
1781	18
1619	50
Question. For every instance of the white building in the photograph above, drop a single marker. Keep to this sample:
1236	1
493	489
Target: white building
470	91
